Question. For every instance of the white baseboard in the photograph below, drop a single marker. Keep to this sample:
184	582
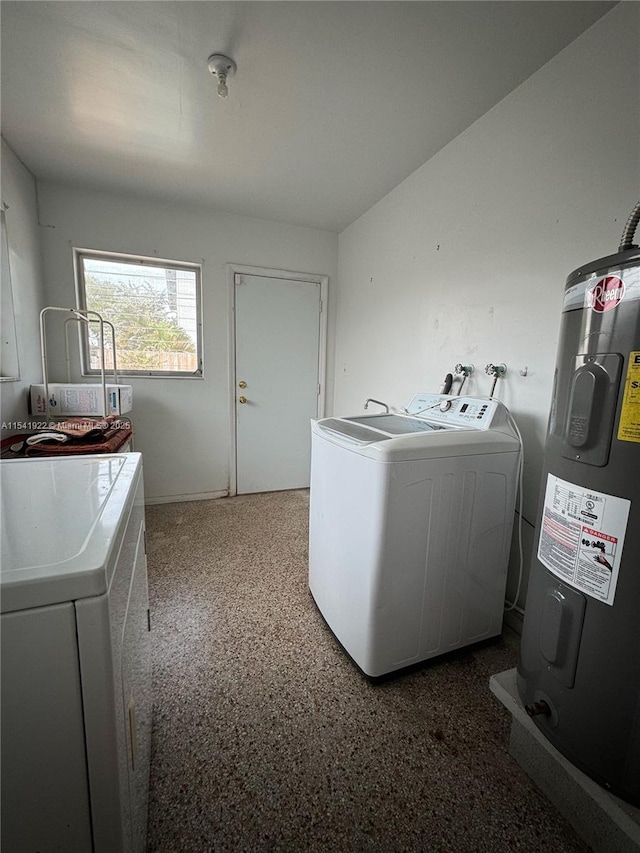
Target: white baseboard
173	499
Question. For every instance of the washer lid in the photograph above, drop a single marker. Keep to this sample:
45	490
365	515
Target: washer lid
365	429
60	520
396	424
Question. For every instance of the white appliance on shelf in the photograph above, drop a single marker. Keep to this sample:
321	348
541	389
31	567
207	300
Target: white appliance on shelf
76	675
411	519
73	399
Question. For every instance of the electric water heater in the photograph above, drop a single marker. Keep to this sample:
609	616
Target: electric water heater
579	667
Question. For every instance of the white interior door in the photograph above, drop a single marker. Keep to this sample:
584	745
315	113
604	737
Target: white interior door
277	380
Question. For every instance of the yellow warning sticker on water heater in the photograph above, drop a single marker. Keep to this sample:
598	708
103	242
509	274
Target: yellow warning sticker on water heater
629	429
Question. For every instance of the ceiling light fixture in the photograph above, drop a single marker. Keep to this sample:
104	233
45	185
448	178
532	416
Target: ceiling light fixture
221	67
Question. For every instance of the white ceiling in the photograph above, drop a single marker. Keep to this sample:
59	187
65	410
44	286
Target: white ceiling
333	103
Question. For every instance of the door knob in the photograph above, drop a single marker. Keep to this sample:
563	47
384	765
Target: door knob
242	399
242	384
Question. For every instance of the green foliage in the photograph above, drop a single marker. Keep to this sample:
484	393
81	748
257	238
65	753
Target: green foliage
145	329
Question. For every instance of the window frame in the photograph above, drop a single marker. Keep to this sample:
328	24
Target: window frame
10	358
80	254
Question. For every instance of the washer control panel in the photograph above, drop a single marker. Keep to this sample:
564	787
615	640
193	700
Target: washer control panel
474	412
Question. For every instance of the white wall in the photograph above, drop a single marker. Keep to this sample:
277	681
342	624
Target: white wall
465	261
181	425
19	194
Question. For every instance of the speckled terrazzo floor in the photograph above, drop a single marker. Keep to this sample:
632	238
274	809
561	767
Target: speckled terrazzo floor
267	738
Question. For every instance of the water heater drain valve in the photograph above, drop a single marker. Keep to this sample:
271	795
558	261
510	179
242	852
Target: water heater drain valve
539	707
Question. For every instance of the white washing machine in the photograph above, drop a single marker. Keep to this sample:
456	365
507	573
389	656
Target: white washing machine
76	674
411	519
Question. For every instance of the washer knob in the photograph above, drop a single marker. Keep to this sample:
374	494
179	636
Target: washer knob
445	405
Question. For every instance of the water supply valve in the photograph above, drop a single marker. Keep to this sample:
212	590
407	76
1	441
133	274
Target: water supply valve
496	370
463	370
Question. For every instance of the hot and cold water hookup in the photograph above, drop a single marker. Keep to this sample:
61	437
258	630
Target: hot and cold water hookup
465	370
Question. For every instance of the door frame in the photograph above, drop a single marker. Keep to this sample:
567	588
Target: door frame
234	269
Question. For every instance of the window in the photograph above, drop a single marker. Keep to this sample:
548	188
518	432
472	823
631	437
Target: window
154	307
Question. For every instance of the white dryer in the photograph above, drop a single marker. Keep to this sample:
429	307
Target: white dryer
76	667
411	519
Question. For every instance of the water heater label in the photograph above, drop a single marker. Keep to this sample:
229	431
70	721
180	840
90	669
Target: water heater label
607	293
604	293
581	537
629	427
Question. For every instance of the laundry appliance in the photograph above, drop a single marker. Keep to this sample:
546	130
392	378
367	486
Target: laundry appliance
76	668
411	517
579	667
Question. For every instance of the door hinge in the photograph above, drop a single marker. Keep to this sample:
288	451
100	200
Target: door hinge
319	389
